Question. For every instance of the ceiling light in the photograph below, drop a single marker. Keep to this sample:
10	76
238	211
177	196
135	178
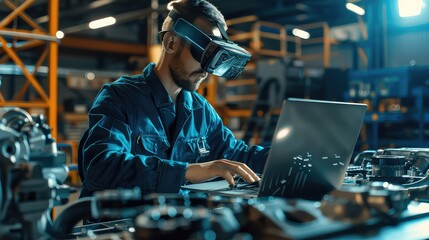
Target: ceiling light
60	34
103	22
355	8
301	33
410	8
90	76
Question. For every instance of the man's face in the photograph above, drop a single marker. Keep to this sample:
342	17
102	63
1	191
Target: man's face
185	70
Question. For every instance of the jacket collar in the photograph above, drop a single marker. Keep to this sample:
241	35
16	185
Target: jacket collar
160	95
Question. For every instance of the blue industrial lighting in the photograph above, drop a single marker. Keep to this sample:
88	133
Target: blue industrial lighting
410	8
355	8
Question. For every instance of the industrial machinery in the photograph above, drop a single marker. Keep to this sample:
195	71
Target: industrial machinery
394	165
33	172
352	211
371	206
31	176
397	113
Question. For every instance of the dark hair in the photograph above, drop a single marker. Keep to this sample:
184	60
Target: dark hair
191	9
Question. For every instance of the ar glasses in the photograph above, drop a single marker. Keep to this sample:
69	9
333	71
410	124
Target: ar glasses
219	56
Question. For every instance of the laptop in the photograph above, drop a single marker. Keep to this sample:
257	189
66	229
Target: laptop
311	149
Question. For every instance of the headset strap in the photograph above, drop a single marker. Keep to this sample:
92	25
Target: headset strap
173	14
223	33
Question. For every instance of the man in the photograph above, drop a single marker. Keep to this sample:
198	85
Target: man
155	132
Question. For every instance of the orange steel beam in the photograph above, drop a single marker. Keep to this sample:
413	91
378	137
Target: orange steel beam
27	74
26	45
103	45
362	27
283	41
8	19
256	41
25	17
363	56
326	46
208	89
30	44
53	68
271	25
25	104
37	37
27	83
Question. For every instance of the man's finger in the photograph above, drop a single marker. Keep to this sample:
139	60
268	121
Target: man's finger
237	169
228	177
252	173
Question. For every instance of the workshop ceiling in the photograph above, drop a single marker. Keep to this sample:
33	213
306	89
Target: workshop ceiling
74	15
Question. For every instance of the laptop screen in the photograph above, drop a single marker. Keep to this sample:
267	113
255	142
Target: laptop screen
311	148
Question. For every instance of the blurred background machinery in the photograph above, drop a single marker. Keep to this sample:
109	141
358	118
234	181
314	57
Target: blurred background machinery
31	177
397	114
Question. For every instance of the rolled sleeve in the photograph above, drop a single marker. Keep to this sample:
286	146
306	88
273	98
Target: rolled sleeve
171	176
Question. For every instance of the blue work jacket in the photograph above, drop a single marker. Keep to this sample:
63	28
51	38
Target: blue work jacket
137	136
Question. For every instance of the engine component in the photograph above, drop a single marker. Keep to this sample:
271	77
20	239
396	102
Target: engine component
393	165
32	171
168	222
360	203
152	216
388	165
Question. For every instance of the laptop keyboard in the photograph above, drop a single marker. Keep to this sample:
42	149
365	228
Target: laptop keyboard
241	184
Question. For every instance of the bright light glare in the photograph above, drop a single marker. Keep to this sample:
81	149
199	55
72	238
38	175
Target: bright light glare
355	8
103	22
301	33
60	34
410	8
90	76
283	133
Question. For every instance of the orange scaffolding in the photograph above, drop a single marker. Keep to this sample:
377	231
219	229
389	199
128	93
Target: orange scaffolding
325	40
36	37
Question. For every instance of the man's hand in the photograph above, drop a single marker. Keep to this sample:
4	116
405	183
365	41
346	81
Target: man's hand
200	172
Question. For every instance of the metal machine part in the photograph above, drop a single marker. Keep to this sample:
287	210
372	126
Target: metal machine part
388	165
168	222
360	203
28	198
32	171
152	216
393	165
353	210
357	212
414	157
362	158
13	146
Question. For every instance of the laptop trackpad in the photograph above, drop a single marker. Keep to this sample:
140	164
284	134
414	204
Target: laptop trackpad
222	187
207	186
